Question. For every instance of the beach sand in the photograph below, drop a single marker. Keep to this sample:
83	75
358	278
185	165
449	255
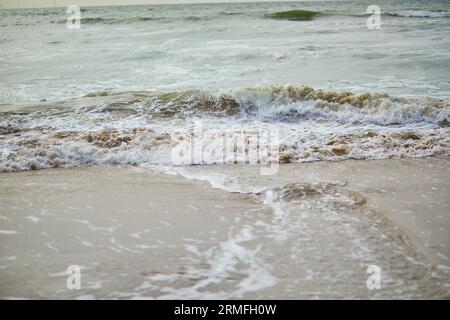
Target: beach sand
137	233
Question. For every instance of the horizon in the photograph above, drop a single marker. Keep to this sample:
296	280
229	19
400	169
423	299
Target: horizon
25	4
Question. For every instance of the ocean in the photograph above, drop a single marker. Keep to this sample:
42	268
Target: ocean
140	73
255	99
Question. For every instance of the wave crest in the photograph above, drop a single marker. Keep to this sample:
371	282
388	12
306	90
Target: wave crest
294	15
144	127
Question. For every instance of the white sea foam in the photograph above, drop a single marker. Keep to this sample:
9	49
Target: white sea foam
231	258
149	128
6	232
421	14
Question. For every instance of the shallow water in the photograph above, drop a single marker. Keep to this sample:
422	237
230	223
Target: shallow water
310	232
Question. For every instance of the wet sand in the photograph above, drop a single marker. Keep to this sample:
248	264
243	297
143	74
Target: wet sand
413	194
138	234
119	225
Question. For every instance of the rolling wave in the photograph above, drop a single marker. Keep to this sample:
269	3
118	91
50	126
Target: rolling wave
145	127
294	15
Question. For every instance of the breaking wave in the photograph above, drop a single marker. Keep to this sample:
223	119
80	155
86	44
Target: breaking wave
145	127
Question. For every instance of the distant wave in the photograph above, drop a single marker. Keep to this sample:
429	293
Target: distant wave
294	15
420	14
91	16
139	18
113	20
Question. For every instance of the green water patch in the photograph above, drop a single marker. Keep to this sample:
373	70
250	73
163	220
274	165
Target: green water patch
294	15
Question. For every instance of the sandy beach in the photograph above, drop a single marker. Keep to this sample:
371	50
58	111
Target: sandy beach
137	233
